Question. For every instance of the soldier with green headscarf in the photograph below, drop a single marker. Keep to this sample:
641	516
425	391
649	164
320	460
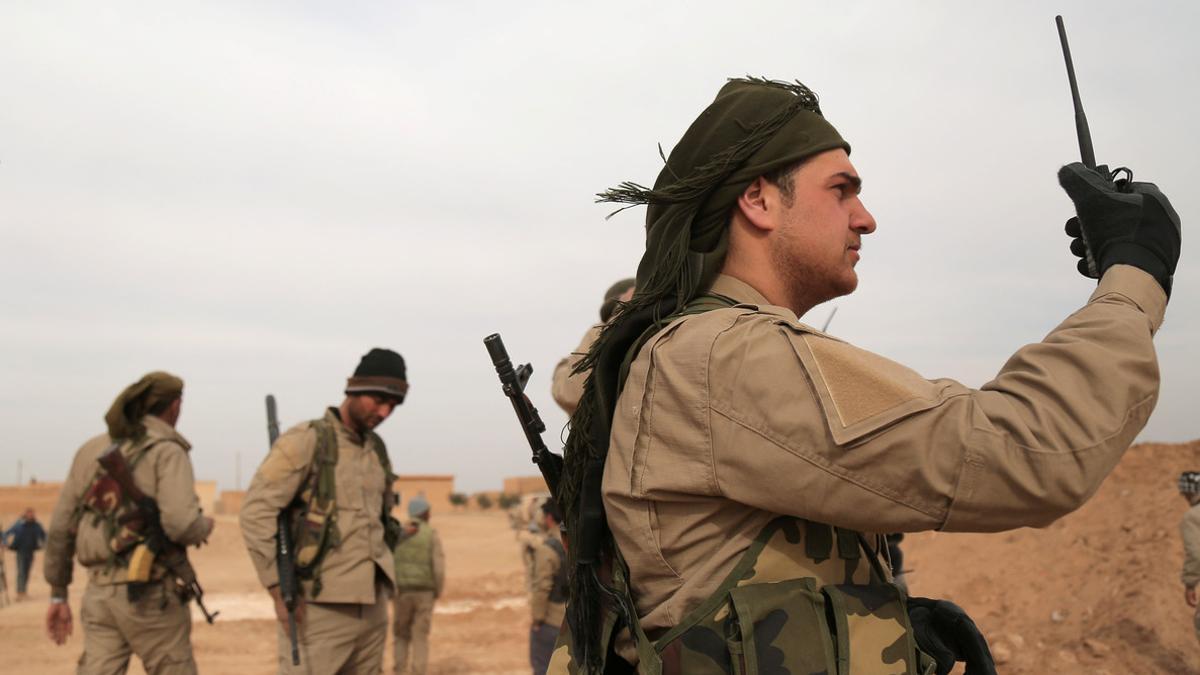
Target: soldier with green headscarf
126	614
729	465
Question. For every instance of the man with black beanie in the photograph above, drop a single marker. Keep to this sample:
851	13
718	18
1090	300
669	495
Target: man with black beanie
333	477
728	464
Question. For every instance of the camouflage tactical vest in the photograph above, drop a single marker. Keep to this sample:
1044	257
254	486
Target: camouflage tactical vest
314	510
805	598
414	560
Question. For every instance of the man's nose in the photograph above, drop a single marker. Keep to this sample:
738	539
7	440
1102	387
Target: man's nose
861	220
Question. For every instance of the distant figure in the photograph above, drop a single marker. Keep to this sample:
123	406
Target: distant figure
548	600
3	574
525	518
1189	529
566	388
25	537
420	578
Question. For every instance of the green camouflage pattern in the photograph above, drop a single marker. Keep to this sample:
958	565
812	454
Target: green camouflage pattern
805	599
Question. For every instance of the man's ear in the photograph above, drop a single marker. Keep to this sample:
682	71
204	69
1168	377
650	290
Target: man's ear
758	205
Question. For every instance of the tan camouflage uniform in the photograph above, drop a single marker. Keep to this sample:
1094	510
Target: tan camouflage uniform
732	418
566	388
1189	530
546	610
345	627
157	628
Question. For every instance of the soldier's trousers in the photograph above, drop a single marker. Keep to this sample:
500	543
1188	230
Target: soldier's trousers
157	628
541	647
24	564
342	638
410	626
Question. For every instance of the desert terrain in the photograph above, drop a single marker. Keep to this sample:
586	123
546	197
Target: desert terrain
1096	592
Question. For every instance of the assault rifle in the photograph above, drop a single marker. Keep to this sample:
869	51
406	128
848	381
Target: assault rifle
513	381
285	557
147	521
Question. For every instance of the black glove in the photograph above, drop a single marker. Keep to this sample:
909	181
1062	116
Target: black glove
1120	223
945	632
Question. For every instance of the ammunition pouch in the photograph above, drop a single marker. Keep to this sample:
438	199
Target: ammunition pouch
795	602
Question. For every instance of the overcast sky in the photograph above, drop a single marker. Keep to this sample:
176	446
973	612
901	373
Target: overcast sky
252	195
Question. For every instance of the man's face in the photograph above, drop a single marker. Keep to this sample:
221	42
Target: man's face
29	514
819	232
369	410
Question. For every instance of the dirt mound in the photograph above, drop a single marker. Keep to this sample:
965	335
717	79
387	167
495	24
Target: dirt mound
1096	592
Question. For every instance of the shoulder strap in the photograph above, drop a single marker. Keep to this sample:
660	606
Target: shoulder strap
325	458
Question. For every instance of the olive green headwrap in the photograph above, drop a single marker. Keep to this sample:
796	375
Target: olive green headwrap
755	126
124	417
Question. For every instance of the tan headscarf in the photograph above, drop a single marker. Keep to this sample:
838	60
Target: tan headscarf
124	417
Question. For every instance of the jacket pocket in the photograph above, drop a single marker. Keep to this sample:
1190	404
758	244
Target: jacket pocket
871	629
780	627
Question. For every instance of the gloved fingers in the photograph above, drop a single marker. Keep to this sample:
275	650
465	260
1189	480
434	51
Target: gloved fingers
1085	268
922	619
1078	248
1079	181
972	648
1073	228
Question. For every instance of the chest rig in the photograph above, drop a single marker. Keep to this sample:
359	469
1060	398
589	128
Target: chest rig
314	509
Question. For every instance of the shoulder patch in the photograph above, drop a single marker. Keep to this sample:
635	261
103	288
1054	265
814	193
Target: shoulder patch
861	392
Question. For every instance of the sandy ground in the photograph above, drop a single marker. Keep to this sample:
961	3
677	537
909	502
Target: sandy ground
1096	593
480	625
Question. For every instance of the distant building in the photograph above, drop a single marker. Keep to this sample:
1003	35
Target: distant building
230	502
436	488
524	485
206	490
14	499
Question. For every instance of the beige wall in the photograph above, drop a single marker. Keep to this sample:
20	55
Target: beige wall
437	489
206	490
230	502
15	499
523	485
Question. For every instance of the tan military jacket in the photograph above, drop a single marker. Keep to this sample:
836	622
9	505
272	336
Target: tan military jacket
566	388
1189	530
731	417
545	565
348	571
163	473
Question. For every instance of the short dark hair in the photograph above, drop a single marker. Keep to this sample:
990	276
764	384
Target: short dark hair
782	178
550	508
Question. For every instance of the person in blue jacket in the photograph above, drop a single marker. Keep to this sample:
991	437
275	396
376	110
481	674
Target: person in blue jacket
25	537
